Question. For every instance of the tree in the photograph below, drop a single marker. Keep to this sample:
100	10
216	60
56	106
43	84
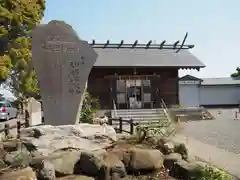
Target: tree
90	106
236	74
17	19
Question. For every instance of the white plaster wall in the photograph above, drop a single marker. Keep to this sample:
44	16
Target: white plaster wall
189	95
219	95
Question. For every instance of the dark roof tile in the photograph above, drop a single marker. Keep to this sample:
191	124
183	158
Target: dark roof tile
111	57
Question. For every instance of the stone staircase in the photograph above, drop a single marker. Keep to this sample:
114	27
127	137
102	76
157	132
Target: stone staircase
141	116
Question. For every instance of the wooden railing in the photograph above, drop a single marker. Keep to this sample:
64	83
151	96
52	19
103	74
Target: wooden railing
18	126
120	121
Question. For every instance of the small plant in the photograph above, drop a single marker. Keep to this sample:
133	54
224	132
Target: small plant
90	107
180	106
236	74
208	173
181	149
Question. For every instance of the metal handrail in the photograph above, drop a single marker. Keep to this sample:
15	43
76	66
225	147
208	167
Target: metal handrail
163	104
115	108
165	109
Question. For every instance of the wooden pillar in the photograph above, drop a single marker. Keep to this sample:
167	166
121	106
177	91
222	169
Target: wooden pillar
177	93
113	91
156	96
111	105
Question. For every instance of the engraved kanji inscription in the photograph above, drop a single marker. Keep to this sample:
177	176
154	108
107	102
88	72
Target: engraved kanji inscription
74	77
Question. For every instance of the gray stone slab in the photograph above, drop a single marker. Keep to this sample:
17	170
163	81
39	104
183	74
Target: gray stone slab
62	62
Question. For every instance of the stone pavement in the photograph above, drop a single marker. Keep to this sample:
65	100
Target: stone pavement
218	157
222	132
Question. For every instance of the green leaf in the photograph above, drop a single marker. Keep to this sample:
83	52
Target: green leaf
19	17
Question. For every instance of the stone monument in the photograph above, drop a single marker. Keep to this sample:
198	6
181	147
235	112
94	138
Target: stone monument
62	62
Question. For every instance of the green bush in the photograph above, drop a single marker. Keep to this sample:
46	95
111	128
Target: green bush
181	149
210	173
180	106
90	106
235	75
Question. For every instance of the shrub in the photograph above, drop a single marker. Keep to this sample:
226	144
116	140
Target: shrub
90	106
180	106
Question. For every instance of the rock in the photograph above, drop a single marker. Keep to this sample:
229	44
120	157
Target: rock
116	176
89	164
152	140
145	159
2	164
2	152
36	154
164	140
200	164
46	171
165	146
18	158
181	149
86	137
112	168
76	177
69	162
169	147
170	160
114	164
10	146
184	169
19	174
123	155
65	163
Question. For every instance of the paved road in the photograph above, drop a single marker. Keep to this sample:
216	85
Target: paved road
224	132
220	158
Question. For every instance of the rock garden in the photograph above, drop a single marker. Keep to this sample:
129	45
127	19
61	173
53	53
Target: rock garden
96	152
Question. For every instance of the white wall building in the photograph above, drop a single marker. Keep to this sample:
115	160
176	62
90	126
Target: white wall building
195	92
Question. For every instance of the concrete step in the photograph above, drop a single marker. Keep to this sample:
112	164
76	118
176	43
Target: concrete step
137	113
138	110
142	121
142	115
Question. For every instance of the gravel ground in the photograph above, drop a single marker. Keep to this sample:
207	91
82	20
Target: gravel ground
224	132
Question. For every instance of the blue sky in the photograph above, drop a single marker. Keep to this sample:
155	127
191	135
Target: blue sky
213	26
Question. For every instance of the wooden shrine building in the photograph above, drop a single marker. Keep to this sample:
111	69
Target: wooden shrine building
139	75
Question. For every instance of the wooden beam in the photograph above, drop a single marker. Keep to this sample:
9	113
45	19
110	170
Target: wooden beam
134	44
162	44
107	43
121	43
148	44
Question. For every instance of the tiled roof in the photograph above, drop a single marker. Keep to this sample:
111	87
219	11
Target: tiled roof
212	81
111	57
220	81
189	78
